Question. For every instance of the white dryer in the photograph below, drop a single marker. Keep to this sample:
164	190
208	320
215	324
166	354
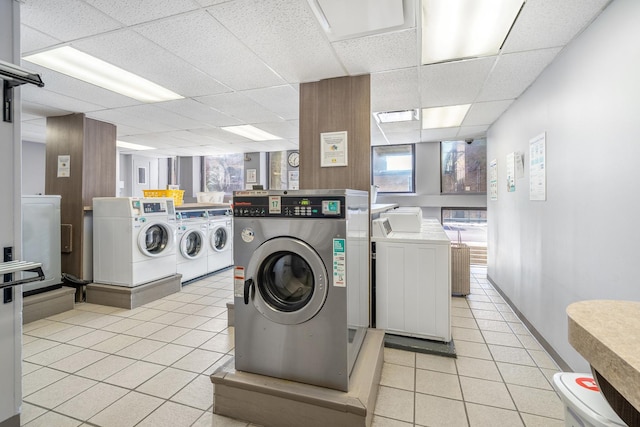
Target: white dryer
133	240
220	239
191	238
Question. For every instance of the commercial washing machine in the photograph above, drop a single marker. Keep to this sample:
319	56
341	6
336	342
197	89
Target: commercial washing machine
301	283
133	240
191	238
220	239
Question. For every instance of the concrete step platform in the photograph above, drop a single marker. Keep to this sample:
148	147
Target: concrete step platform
271	401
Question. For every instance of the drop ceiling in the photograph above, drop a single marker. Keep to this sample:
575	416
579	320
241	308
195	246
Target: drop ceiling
242	61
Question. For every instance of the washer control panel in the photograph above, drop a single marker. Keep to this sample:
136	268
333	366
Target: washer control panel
288	207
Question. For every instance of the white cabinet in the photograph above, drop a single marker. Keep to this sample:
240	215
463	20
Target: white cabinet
413	287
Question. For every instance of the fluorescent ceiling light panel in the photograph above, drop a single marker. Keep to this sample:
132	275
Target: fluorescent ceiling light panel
458	29
250	132
72	62
130	146
397	116
444	117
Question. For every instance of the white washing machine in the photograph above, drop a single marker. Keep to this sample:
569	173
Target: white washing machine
41	239
220	239
301	283
191	238
133	240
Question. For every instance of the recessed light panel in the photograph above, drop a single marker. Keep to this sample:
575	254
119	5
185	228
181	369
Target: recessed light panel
444	117
130	146
459	29
251	132
79	65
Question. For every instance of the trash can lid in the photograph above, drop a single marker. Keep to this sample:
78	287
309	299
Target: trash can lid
581	392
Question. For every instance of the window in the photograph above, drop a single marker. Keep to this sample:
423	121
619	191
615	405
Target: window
393	167
278	170
470	226
224	173
463	167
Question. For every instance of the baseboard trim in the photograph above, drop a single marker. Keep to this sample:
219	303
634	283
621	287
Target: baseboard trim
547	347
11	422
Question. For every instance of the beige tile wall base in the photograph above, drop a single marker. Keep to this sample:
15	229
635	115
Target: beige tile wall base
45	304
275	402
124	297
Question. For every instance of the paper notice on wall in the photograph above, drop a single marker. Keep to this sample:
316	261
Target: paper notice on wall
493	180
537	168
511	172
64	166
333	149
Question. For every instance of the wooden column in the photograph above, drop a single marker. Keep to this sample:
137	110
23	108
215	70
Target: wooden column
91	147
334	105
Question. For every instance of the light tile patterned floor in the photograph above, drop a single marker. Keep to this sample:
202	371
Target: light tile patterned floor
104	366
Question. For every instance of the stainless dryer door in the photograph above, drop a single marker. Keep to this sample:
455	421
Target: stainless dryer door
290	278
156	239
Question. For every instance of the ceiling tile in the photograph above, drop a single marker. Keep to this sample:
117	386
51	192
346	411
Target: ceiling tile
485	113
122	116
202	41
407	137
472	132
136	54
282	100
41	110
65	19
163	116
395	90
381	52
453	83
550	23
134	12
435	135
285	34
199	111
284	129
240	107
32	40
37	95
514	72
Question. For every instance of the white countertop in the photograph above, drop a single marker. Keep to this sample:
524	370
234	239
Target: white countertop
377	208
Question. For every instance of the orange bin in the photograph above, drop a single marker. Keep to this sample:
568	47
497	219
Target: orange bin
176	195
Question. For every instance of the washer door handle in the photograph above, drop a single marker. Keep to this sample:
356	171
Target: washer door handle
247	288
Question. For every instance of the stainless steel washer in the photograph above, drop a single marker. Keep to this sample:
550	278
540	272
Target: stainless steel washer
301	283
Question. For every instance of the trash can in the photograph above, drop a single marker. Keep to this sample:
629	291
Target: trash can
584	405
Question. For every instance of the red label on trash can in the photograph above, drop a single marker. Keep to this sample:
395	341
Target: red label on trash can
588	383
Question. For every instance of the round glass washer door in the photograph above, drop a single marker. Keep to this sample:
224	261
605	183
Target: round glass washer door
192	244
219	238
155	239
290	278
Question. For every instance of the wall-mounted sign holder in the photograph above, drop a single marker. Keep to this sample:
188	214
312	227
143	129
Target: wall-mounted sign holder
13	76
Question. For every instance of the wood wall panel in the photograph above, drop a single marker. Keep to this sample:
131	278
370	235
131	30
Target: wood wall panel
99	172
92	147
334	105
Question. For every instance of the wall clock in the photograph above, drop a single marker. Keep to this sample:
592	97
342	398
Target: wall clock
294	159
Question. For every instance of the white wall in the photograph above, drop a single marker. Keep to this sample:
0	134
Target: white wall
34	156
10	314
582	243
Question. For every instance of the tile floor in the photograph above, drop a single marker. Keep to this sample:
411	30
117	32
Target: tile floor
104	366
